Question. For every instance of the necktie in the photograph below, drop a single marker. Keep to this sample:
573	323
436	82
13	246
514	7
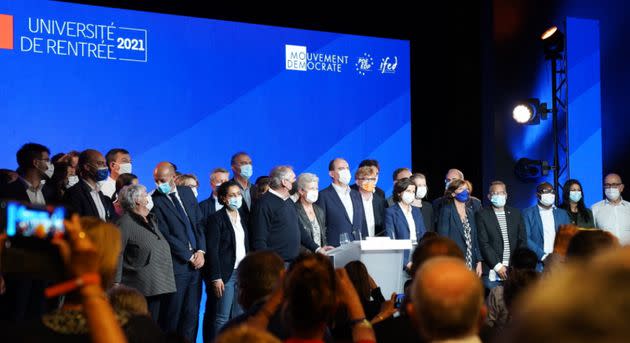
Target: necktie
189	230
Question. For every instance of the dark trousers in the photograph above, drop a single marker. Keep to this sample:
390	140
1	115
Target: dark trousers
157	305
180	311
210	314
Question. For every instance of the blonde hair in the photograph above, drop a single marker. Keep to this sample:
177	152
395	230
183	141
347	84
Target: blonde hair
128	299
244	333
107	241
366	171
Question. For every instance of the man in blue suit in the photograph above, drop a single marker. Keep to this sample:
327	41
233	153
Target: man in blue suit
542	222
342	206
180	221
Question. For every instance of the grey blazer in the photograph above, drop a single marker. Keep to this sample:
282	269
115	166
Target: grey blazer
321	220
145	261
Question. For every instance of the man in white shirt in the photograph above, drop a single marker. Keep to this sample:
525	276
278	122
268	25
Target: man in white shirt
542	222
374	204
118	162
613	213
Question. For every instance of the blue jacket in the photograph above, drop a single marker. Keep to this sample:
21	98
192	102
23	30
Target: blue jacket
396	225
450	225
534	227
337	220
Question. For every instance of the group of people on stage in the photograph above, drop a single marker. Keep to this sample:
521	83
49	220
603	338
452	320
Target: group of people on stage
172	242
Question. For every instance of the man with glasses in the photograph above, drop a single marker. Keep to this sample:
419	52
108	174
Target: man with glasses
542	222
501	231
613	213
374	204
86	198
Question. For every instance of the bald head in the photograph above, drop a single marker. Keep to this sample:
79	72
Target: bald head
447	299
454	174
90	161
164	172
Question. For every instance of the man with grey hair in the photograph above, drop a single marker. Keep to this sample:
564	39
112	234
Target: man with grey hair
212	205
447	301
141	238
274	219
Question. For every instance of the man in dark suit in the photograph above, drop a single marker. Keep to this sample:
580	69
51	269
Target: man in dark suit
399	174
274	220
542	222
501	231
372	163
342	206
24	298
243	170
212	205
85	198
180	221
374	204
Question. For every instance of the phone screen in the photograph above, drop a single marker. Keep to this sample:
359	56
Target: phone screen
29	221
399	299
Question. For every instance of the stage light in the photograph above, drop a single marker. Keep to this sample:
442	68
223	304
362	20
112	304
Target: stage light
530	112
553	42
527	169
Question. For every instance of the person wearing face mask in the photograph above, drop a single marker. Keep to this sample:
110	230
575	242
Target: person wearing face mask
118	162
457	221
311	216
425	206
372	163
189	180
613	213
227	241
573	203
243	170
85	198
342	205
24	298
455	174
399	174
403	221
374	204
501	231
212	204
274	220
542	222
181	222
145	257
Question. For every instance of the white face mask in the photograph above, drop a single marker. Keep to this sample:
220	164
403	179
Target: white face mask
72	180
421	192
125	168
50	169
612	193
407	198
547	199
149	203
344	177
312	196
195	192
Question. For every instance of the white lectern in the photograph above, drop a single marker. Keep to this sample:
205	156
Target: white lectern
383	257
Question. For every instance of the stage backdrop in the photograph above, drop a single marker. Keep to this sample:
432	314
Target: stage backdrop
194	91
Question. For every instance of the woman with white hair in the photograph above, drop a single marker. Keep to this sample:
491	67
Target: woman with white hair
311	216
145	260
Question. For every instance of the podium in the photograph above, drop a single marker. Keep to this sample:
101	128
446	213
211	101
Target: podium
383	257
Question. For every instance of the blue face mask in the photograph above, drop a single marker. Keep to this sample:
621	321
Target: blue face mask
498	200
101	174
575	196
247	171
236	202
164	188
463	196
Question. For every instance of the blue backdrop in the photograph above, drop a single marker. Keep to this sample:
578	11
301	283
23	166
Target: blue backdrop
194	91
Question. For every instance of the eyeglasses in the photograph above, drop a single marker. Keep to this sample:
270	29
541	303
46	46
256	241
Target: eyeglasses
612	185
498	193
370	179
547	191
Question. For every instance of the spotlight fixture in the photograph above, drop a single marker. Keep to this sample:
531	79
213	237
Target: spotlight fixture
527	169
530	112
553	42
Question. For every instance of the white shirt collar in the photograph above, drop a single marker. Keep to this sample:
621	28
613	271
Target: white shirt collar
340	189
542	209
96	188
622	202
278	194
30	185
